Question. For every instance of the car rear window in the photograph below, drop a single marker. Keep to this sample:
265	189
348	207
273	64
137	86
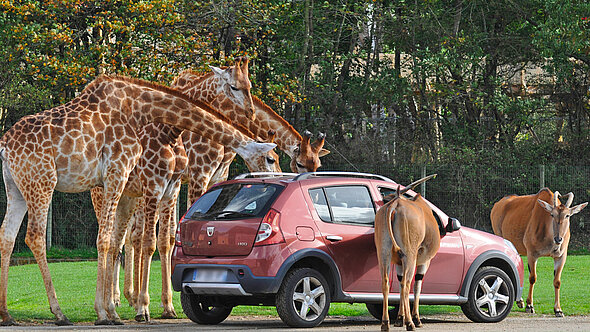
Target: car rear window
344	204
234	201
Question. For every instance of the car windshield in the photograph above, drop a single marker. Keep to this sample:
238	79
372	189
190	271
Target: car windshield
233	201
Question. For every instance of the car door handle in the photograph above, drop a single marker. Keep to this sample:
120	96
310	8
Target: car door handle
334	238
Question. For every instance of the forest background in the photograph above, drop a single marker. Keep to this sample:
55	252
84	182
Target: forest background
494	95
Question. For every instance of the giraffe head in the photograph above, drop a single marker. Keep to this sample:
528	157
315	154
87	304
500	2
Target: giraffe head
307	155
235	84
268	162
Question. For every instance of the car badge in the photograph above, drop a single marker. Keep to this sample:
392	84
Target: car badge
210	231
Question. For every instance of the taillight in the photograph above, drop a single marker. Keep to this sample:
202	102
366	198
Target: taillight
269	231
177	236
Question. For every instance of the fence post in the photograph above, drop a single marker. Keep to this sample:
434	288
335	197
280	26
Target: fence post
49	225
423	183
542	175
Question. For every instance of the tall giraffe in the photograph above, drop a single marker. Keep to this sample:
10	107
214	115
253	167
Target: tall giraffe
233	83
304	154
91	141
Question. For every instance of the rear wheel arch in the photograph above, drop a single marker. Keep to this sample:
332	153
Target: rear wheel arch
318	260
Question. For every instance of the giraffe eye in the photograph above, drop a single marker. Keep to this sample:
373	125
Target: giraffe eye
270	160
234	88
300	165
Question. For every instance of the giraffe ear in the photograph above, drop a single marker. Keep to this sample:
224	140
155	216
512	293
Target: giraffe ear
220	73
323	152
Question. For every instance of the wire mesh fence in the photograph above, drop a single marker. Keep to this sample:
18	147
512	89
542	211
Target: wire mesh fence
466	192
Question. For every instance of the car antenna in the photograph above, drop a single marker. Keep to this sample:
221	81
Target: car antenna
333	148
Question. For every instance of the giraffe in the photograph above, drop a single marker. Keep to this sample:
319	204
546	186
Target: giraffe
91	141
232	83
304	154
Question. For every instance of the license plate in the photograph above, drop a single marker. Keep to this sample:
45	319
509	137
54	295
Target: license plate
209	275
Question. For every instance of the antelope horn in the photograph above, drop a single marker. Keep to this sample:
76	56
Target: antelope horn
570	199
556	198
416	183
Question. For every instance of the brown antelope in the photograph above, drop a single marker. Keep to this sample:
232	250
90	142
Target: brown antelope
538	225
407	234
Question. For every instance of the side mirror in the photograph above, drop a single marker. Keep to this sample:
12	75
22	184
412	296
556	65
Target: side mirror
453	225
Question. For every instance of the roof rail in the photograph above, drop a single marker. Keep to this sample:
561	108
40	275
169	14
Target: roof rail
263	174
307	175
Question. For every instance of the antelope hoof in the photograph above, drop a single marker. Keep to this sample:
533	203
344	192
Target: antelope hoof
384	325
529	309
63	322
142	318
9	322
520	303
410	327
103	322
558	313
399	322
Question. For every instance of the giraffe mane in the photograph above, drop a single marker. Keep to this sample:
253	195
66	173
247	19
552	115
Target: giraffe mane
274	116
159	87
189	72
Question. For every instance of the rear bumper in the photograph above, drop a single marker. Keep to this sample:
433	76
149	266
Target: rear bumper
212	279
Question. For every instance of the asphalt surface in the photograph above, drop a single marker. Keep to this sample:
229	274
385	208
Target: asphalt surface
450	322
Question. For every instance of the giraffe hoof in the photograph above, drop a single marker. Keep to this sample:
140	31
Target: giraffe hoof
142	318
558	313
63	322
118	322
103	322
168	315
9	322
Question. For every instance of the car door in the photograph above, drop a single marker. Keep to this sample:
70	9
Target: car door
345	217
445	274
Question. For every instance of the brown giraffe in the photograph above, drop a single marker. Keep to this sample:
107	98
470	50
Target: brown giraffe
91	141
304	154
234	86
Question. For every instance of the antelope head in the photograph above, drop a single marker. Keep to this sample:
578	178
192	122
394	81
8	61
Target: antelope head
306	157
560	215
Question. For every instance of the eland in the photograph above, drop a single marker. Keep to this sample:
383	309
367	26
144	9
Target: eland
538	226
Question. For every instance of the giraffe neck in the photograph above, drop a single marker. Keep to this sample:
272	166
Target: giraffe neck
156	103
206	88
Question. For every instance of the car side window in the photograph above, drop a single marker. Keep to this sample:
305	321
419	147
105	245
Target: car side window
389	191
344	204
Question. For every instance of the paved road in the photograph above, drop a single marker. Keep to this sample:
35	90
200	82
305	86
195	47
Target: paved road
450	322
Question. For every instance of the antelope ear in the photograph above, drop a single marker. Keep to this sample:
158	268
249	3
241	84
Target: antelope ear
545	205
578	208
323	152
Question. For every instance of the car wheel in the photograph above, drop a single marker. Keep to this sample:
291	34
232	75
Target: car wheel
201	312
304	298
376	310
490	296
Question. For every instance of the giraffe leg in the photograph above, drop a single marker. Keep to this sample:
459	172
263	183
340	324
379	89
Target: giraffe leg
35	239
16	208
148	247
136	238
167	219
128	290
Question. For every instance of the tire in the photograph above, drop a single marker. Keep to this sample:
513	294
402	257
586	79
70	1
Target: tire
301	285
201	312
376	310
490	297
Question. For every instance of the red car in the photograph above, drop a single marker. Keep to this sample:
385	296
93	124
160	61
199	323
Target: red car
302	241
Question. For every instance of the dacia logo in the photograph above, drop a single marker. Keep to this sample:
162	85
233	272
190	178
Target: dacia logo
210	230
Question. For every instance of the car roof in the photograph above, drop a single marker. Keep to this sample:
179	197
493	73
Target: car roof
311	175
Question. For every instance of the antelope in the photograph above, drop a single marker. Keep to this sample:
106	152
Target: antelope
407	234
538	226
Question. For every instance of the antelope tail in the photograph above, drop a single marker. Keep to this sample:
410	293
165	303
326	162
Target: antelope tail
391	213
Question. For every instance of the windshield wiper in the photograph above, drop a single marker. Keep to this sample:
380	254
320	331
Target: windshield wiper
232	214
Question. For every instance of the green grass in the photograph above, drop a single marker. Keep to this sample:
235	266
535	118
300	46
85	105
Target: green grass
75	286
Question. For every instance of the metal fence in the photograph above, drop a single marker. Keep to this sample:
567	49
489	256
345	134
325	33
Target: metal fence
466	192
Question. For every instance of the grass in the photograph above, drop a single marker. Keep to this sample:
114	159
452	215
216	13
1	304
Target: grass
75	286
